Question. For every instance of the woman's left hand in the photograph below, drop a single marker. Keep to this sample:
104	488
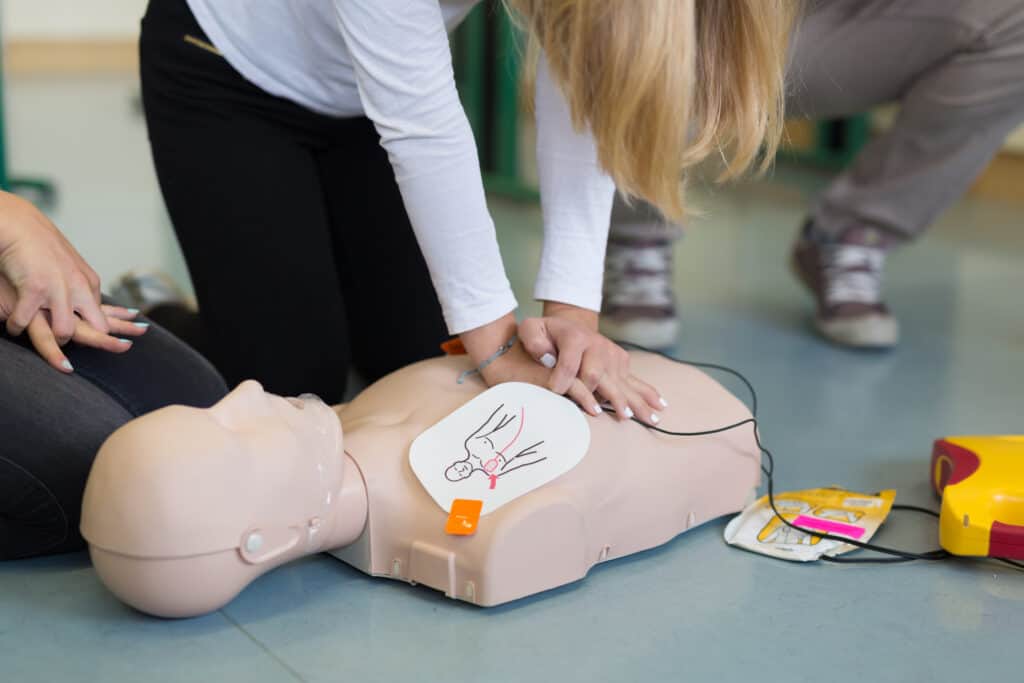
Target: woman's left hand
566	339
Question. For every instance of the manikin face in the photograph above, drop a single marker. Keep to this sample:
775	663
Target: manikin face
185	481
458	470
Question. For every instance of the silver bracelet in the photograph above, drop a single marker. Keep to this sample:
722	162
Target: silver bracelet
502	350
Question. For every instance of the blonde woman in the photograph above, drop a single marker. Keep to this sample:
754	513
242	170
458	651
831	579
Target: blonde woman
321	174
956	69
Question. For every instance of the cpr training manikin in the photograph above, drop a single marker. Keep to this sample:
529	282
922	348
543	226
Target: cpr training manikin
185	507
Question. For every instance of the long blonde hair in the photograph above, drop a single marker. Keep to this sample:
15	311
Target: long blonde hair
664	84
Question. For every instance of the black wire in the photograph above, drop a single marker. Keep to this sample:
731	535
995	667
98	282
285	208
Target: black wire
896	554
940	554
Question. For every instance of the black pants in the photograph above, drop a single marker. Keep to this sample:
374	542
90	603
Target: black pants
52	425
291	222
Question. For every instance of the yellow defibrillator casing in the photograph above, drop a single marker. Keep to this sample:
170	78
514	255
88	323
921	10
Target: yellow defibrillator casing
981	482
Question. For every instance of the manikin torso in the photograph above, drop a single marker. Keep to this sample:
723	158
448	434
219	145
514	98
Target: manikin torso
634	489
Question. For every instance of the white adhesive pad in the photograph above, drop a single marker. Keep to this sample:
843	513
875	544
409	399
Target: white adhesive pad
506	442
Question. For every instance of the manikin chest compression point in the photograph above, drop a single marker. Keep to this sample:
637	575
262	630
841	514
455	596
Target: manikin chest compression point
503	444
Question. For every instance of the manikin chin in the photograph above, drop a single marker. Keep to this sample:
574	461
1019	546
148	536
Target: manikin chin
185	507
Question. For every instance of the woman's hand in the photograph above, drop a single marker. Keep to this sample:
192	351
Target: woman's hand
516	365
564	352
587	366
117	320
47	274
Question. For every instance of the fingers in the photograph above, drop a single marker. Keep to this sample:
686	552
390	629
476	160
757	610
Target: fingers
593	370
127	328
86	335
585	398
571	346
589	368
44	342
631	397
89	309
534	337
92	280
30	298
612	391
119	312
62	317
649	394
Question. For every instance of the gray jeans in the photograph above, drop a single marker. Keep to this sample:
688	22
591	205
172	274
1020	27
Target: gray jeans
52	425
956	68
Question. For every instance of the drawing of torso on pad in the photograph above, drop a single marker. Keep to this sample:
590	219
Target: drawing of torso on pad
561	491
483	456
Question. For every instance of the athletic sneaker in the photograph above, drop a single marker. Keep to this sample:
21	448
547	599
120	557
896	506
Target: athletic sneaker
845	276
639	305
147	289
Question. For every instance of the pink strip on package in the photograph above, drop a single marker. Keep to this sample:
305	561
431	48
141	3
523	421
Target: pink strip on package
830	527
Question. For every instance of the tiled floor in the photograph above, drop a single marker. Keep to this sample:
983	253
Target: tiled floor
692	610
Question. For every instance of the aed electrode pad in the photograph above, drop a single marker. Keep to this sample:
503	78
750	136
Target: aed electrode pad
506	442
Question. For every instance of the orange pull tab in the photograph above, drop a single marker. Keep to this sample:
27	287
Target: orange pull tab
454	347
464	517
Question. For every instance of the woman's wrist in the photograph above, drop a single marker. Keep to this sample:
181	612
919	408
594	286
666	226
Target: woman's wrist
481	342
584	316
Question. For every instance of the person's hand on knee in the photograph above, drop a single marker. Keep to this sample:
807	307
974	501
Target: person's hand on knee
40	331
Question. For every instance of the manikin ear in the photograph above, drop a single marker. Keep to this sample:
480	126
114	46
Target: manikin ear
246	401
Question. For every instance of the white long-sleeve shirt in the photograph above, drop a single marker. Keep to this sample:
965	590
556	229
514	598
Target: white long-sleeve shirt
390	60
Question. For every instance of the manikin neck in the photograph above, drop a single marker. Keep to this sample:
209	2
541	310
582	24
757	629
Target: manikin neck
348	514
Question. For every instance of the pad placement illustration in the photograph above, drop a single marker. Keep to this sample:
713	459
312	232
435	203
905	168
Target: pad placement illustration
503	444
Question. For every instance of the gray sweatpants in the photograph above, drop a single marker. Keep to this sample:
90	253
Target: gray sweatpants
956	68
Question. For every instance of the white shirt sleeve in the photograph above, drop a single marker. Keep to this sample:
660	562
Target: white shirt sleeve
576	200
402	62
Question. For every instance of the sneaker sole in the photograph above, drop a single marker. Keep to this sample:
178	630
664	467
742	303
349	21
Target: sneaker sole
654	334
862	332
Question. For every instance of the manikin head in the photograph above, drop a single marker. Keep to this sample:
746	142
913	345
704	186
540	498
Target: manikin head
184	507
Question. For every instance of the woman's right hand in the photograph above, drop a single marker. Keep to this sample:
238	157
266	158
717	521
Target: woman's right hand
47	274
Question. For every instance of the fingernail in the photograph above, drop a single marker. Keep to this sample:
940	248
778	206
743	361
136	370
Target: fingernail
547	360
66	364
596	409
133	311
145	325
125	341
664	403
655	419
628	412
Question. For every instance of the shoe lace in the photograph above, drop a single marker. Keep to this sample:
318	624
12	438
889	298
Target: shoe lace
854	274
639	276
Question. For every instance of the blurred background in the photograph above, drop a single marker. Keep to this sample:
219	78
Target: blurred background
74	139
